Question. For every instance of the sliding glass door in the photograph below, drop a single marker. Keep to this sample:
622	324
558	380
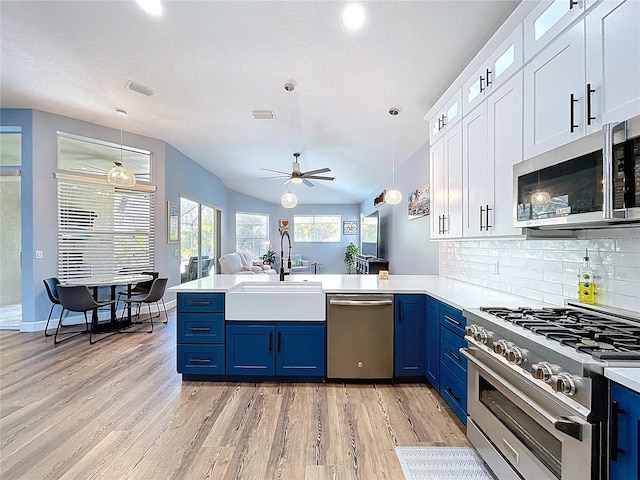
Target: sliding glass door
199	239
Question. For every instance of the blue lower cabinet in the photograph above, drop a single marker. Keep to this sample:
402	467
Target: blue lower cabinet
250	350
201	359
201	328
624	460
432	343
268	349
454	391
450	345
409	332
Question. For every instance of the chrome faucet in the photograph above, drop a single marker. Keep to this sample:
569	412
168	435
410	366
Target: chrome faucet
282	274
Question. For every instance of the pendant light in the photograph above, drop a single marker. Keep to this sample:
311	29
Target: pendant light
119	175
393	196
289	199
540	198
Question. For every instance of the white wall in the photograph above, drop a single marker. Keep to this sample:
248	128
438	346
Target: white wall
546	270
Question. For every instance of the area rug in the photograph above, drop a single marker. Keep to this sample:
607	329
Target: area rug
441	463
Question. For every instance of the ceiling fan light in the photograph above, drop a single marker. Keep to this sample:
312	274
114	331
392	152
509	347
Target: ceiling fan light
289	200
121	176
393	197
296	179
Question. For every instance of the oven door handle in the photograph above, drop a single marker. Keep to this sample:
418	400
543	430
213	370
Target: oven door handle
562	424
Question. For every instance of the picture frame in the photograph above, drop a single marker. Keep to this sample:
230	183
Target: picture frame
419	202
350	227
173	222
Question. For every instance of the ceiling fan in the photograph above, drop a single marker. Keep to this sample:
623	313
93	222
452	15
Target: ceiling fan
297	176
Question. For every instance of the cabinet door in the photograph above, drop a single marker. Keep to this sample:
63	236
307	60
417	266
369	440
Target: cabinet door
250	350
438	188
546	21
300	350
453	158
504	115
432	343
625	433
554	94
477	172
409	328
613	62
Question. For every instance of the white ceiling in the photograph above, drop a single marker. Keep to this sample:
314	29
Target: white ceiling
212	62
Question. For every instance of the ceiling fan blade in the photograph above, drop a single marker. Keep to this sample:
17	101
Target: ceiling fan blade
314	177
274	176
314	172
307	183
286	181
277	171
296	167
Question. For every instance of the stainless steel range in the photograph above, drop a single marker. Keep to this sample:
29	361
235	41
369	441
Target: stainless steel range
537	397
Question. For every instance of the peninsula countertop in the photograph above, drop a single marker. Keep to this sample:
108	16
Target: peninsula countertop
456	293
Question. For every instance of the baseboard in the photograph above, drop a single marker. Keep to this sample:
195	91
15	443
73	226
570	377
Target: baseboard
39	325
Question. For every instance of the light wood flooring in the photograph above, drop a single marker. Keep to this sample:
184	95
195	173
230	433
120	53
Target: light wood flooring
119	410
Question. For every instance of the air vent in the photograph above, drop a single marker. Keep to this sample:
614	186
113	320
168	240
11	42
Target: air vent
263	114
138	87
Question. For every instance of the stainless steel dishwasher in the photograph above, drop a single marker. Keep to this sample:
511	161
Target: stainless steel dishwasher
360	336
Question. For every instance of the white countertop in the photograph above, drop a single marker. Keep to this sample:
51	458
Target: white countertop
628	377
458	294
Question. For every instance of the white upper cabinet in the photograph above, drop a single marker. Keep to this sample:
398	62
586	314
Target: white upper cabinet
612	62
446	180
492	144
546	21
554	92
503	62
446	117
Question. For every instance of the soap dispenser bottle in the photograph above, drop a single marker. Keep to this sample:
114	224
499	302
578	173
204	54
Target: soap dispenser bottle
586	287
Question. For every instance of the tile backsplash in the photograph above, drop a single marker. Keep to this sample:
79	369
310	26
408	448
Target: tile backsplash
547	270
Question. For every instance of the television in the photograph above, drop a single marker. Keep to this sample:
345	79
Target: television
370	235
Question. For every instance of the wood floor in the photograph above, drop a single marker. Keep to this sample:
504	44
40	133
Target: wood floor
119	410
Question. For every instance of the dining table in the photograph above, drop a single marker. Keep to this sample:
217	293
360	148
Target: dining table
113	282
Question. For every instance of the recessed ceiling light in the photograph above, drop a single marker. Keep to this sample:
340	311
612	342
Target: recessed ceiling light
154	7
353	16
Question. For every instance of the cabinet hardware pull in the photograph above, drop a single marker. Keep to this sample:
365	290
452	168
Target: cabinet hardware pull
488	74
450	392
573	125
615	412
444	230
482	87
481	212
279	341
439	123
200	360
572	3
450	352
200	329
487	222
589	92
455	322
270	342
443	120
194	303
439	224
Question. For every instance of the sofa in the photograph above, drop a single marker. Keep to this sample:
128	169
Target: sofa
298	265
241	263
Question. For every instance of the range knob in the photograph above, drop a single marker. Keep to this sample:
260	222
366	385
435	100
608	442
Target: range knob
471	330
542	371
515	355
501	347
483	335
564	383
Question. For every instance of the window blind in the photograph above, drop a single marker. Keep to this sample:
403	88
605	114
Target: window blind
103	230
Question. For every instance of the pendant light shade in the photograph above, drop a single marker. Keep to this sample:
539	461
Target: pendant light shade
393	196
540	198
119	175
289	200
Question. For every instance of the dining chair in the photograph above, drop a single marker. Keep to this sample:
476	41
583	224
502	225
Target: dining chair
77	298
155	295
51	284
140	287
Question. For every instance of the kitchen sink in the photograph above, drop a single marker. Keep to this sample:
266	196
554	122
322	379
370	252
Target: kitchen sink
284	301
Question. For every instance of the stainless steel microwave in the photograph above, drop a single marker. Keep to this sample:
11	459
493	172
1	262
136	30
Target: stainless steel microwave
592	182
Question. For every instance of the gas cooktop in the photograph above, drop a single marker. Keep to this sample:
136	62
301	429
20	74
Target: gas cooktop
603	337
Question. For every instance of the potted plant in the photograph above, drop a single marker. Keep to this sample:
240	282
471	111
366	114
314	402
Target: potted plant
350	257
269	258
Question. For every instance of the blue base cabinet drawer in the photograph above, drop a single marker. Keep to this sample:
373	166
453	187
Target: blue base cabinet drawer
201	328
201	302
451	344
454	391
452	319
201	359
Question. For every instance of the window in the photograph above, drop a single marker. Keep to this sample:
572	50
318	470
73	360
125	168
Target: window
317	228
199	239
252	233
102	229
